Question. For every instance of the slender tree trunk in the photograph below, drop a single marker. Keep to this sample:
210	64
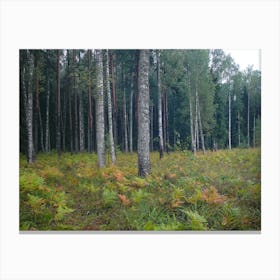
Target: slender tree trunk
191	119
81	111
29	108
131	116
58	132
201	130
239	142
254	135
69	103
125	118
100	124
144	165
41	131
163	120
63	122
75	104
160	132
111	138
89	106
196	116
36	113
81	122
229	120
114	101
248	119
47	142
152	127
166	123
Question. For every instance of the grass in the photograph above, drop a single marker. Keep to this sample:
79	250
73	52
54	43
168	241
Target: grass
216	191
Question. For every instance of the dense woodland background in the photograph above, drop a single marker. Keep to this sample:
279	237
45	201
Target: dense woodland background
139	140
198	100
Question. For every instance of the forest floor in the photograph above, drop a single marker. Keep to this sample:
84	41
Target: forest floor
215	191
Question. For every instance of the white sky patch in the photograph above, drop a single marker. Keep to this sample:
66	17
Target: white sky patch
244	58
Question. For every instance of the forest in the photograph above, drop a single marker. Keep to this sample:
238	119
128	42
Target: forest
139	140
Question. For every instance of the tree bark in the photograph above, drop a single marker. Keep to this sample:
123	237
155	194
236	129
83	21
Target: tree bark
196	115
75	103
89	105
114	101
254	132
58	133
152	127
36	113
191	118
201	130
111	138
144	165
131	115
41	131
248	119
125	117
229	120
100	125
166	123
69	103
29	108
63	122
160	132
47	142
238	116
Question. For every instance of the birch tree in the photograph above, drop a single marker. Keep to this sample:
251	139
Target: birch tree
144	165
109	100
28	73
100	124
160	132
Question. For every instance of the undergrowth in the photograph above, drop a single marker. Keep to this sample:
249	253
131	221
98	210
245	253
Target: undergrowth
216	191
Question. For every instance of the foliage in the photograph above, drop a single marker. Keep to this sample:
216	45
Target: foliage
215	191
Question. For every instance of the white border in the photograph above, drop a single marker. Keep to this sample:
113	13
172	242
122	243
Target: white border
156	24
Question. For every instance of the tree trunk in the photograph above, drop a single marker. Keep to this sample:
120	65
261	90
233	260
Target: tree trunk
114	101
36	113
131	115
81	122
144	166
191	119
47	142
125	118
29	108
248	119
58	135
201	130
196	114
89	106
152	127
75	104
166	123
229	120
41	131
100	124
69	103
111	138
254	133
81	111
160	132
238	116
63	122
